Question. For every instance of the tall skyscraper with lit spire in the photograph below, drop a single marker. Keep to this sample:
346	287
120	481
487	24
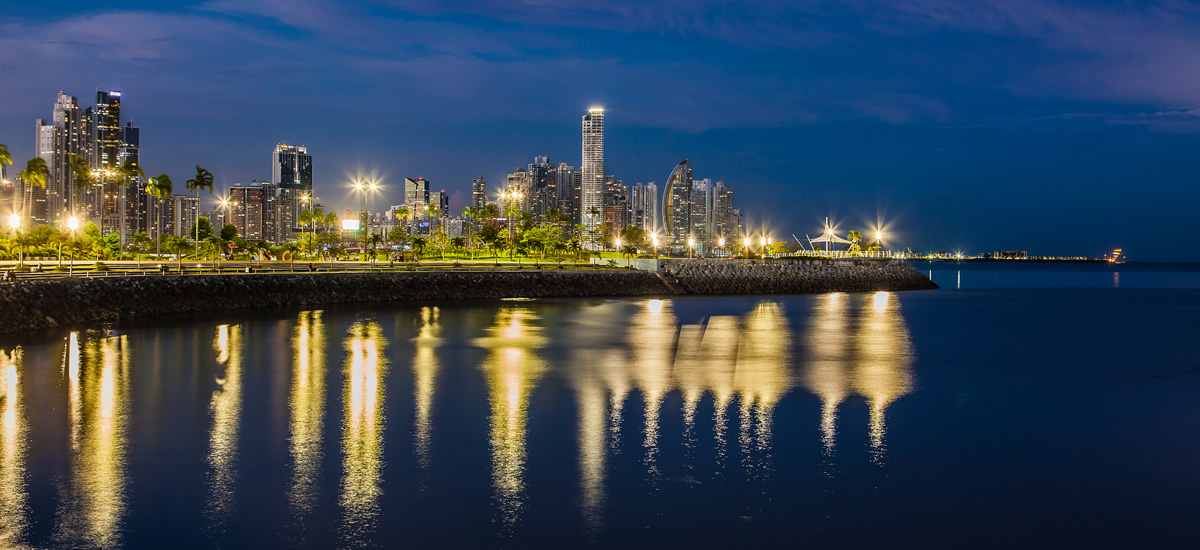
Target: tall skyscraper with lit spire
592	168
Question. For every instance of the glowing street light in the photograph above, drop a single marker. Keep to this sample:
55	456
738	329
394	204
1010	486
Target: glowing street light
654	239
691	243
365	188
73	223
14	221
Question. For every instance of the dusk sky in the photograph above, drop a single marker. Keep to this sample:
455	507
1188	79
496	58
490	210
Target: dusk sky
1057	127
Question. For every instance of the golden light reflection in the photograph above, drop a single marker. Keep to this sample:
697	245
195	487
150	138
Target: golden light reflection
825	374
97	368
425	369
761	375
307	407
593	448
362	431
883	356
226	409
512	369
651	335
13	496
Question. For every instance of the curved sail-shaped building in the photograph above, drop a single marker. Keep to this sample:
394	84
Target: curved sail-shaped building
676	211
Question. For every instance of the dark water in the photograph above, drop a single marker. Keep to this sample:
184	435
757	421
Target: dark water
1000	415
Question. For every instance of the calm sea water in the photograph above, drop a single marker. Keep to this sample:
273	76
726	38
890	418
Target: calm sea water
1018	407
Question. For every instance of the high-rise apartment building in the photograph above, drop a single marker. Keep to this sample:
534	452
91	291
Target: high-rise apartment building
650	217
592	168
676	208
478	193
179	219
291	171
540	188
700	214
724	223
252	210
568	189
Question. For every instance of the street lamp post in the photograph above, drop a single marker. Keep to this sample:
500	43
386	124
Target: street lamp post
721	244
746	243
654	239
365	188
305	199
691	245
14	222
73	223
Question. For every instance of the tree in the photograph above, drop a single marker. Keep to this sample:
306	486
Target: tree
440	240
5	156
179	246
202	180
140	241
397	235
331	223
161	188
418	244
127	171
229	232
203	228
81	174
35	174
374	241
855	237
629	250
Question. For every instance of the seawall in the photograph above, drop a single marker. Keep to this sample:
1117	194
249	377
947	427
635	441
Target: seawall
798	276
35	305
41	304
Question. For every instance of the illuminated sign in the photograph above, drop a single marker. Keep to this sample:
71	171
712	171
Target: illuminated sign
114	93
350	225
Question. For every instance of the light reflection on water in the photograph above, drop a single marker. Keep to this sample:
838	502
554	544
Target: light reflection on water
740	364
362	439
13	496
512	369
307	407
226	410
93	504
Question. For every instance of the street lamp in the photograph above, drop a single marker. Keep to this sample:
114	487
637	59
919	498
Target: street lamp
365	187
747	245
654	239
305	200
721	243
762	246
508	197
73	223
691	244
14	222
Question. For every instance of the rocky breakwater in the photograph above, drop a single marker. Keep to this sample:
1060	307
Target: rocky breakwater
796	276
35	305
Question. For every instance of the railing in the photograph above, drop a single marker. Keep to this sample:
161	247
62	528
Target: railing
300	268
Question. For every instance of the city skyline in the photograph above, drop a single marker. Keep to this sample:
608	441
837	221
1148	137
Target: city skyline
1028	119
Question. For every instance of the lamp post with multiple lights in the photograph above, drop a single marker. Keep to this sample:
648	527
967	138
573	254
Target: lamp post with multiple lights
366	188
509	197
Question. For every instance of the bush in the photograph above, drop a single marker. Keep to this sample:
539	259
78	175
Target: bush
101	266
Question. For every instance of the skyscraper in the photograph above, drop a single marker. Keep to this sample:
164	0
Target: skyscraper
676	211
478	193
650	217
567	185
291	170
541	197
724	223
592	200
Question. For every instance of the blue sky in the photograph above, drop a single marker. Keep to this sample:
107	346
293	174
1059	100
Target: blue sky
1057	127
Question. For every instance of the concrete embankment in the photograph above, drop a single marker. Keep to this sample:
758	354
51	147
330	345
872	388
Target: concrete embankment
40	304
35	305
796	276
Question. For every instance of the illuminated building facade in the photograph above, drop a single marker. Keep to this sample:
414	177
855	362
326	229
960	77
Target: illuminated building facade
291	170
676	209
592	169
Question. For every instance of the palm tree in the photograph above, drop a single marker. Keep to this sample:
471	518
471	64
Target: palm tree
127	171
178	246
304	218
82	174
331	222
140	241
203	180
161	188
35	174
855	237
374	241
5	158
